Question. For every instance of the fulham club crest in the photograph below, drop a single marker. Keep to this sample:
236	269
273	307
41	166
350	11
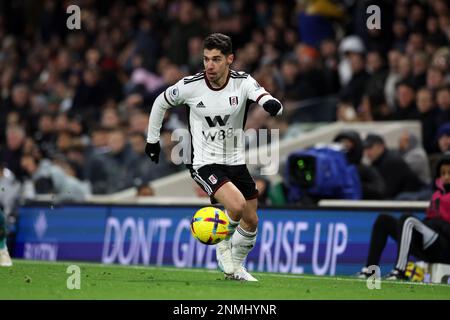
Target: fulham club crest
234	101
213	179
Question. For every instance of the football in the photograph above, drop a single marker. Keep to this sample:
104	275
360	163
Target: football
209	225
414	272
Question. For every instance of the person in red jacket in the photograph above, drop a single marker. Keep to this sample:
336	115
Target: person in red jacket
427	239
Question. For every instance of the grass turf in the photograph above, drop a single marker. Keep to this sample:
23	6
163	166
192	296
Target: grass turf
47	280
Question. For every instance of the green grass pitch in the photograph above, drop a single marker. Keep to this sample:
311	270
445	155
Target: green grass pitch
48	280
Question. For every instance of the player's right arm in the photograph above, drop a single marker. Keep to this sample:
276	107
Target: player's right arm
171	97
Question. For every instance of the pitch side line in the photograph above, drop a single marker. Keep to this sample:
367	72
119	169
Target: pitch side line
263	274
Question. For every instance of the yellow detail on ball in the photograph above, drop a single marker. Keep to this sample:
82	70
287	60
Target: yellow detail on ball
414	272
209	225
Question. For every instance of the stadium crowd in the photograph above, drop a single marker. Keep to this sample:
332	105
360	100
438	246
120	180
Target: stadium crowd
74	104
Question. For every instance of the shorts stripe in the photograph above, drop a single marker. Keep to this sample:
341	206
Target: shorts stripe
204	182
208	191
205	185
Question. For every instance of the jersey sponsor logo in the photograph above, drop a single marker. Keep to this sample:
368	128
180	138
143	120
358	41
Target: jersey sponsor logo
200	105
213	179
257	85
234	101
217	120
220	134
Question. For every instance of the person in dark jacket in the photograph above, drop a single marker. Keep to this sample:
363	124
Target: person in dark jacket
354	90
428	116
372	182
427	239
11	154
406	108
395	171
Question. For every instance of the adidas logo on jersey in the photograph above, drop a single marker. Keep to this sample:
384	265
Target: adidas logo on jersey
200	105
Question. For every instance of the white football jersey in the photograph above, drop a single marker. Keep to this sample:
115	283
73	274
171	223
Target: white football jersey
216	116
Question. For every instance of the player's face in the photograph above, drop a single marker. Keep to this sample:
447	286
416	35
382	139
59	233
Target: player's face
216	65
445	173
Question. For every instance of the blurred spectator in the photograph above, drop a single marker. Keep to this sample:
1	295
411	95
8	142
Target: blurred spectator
374	108
393	77
397	175
400	32
428	116
441	60
50	178
419	69
138	122
345	111
45	136
12	152
330	61
143	189
140	167
89	96
315	20
415	156
348	45
111	171
372	182
443	137
110	118
405	68
309	73
184	26
289	75
435	78
378	72
443	104
406	104
354	89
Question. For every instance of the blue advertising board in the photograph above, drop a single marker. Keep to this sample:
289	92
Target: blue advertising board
313	241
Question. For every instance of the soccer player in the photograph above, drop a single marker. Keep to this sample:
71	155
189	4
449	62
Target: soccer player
427	239
217	102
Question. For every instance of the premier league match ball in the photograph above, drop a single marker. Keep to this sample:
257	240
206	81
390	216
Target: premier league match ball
209	225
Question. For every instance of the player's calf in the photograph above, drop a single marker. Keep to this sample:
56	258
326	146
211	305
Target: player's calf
223	248
242	243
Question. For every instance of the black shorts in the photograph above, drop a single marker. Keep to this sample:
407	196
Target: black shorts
212	176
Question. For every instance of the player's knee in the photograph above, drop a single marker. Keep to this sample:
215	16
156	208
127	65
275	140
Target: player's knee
238	207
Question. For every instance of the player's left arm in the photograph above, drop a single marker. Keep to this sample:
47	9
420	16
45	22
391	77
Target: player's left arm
258	94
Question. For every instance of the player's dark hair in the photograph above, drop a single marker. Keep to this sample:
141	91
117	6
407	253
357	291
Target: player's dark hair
220	42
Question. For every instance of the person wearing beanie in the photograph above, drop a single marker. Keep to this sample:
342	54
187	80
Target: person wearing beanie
443	137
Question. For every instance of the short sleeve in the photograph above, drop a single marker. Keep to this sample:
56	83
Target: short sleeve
254	89
175	94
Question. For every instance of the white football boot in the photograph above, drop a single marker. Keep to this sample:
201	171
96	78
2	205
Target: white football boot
224	258
5	259
242	274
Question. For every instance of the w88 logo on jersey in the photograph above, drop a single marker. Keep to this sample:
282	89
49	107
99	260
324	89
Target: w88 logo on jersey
222	134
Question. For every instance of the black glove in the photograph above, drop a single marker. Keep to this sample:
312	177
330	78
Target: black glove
272	107
153	150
